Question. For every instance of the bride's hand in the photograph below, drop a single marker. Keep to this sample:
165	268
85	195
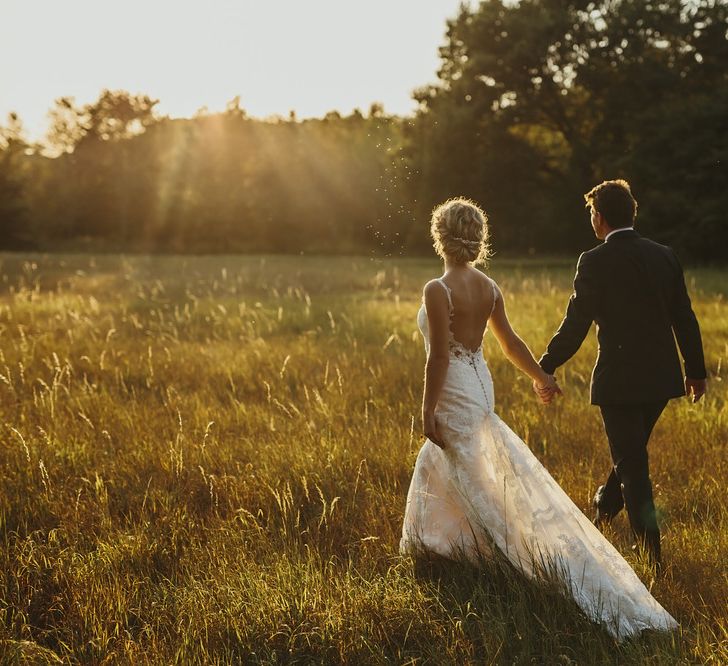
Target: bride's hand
432	432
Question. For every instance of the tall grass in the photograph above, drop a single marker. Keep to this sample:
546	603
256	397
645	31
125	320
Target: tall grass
205	460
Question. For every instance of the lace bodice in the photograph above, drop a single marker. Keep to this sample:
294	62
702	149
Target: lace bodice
471	373
457	349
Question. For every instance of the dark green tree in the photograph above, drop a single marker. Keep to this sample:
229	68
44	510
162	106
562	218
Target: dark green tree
577	87
14	233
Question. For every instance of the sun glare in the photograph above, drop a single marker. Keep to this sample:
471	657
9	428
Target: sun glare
308	57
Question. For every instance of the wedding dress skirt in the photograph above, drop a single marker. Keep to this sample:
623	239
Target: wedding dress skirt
487	489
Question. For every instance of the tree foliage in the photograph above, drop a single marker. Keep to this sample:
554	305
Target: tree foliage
13	173
119	177
588	91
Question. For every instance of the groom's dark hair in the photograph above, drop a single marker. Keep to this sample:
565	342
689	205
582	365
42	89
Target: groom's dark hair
614	200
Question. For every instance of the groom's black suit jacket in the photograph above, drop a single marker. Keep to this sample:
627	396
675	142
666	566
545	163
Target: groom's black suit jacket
634	289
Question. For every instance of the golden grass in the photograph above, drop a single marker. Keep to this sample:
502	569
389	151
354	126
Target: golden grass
205	460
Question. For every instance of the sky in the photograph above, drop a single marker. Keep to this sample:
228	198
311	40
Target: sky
311	56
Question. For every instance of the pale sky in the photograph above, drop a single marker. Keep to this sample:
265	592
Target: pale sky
309	55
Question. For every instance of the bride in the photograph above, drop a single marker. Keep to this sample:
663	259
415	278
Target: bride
476	485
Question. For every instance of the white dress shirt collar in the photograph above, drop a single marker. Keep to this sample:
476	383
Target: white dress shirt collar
616	231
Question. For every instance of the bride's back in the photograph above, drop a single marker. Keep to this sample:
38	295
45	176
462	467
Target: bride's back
473	297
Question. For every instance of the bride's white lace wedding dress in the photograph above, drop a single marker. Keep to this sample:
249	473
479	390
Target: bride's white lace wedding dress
487	488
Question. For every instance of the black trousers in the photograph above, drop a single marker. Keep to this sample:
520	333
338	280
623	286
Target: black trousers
628	429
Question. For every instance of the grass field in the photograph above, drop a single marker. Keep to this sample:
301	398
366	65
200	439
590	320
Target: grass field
205	460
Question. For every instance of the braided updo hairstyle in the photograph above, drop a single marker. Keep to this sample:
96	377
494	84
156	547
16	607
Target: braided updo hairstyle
459	229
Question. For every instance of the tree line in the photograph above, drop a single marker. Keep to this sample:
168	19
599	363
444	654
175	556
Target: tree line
534	103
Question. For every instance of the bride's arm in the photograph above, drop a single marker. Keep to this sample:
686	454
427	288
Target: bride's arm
515	349
438	358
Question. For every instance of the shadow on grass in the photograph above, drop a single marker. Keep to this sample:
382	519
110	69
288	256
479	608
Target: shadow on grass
510	619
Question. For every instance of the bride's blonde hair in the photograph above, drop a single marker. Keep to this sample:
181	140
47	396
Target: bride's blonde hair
459	229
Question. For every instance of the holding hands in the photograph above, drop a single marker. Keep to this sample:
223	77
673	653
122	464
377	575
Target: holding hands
546	388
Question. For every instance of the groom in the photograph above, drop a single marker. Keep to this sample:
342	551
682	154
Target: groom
633	288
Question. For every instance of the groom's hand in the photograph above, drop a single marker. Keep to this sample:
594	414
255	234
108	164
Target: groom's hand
695	388
546	389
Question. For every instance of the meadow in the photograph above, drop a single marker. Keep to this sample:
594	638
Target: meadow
205	460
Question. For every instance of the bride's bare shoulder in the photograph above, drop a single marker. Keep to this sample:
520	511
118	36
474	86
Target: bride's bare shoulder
434	285
434	292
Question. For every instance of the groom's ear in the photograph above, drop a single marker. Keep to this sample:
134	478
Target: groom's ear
603	224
